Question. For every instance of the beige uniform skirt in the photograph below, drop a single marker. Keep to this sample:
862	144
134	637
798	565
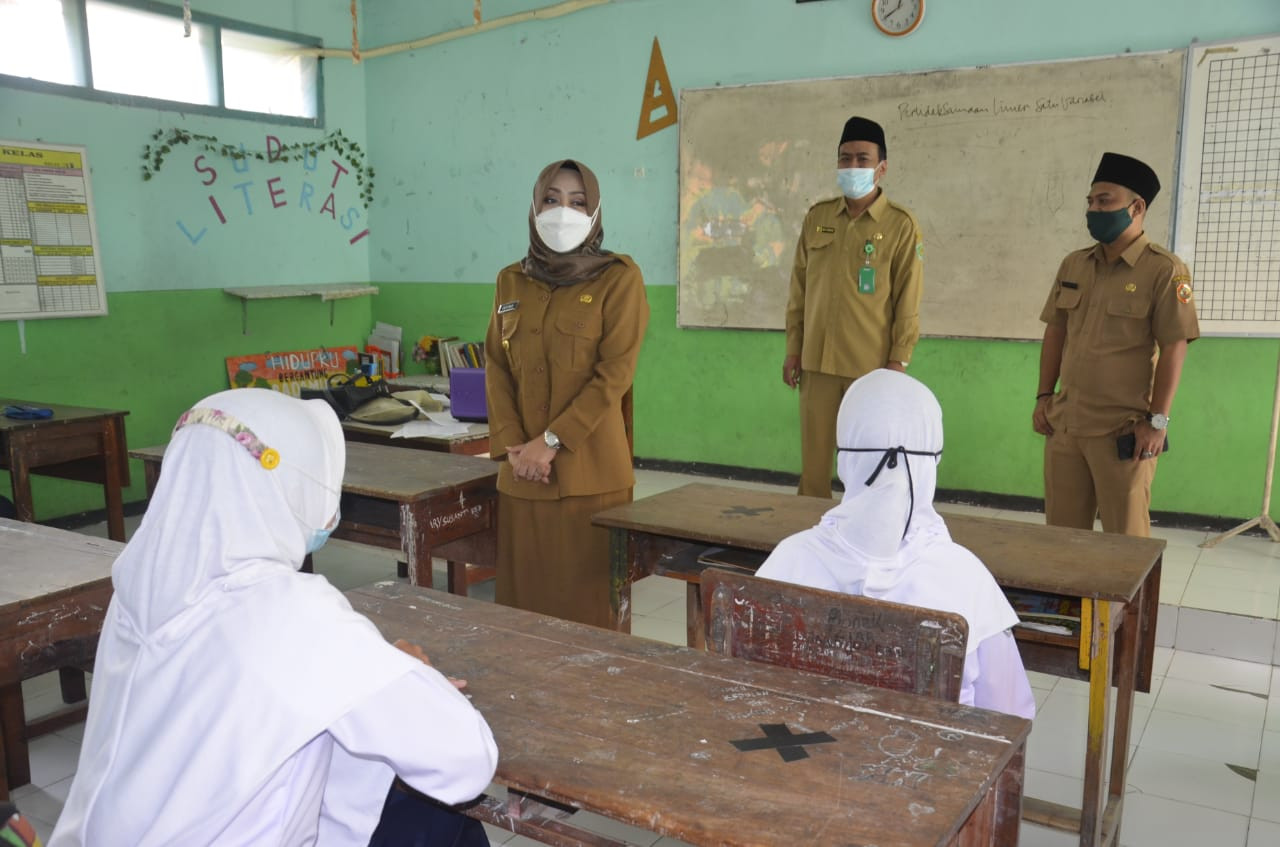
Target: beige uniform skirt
552	560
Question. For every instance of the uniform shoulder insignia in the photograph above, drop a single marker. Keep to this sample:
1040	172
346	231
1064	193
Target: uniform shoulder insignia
904	210
1182	287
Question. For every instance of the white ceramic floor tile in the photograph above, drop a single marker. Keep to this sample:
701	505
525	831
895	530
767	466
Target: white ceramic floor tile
1242	554
1246	709
1053	787
1215	670
1188	779
675	611
1160	661
1045	681
654	592
1156	822
1178	557
1260	582
1167	626
43	803
498	836
1263	833
1266	796
1032	835
53	759
73	733
1172	587
1239	637
1179	537
613	829
1202	737
945	509
659	630
1021	517
1237	602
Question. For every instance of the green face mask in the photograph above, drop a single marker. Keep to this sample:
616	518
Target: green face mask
1107	226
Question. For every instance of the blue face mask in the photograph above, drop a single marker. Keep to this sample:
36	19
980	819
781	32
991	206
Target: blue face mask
856	183
320	536
1108	226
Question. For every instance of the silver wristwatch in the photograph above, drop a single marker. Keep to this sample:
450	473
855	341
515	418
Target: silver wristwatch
1157	420
551	439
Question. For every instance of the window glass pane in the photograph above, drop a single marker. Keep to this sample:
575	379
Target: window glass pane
143	53
260	75
38	38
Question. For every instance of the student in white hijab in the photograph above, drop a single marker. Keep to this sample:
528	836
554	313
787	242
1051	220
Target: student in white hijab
885	540
235	700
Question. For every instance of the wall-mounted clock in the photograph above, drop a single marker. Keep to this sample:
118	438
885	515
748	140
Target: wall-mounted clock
897	17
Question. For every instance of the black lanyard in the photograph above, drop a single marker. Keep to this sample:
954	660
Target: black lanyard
890	460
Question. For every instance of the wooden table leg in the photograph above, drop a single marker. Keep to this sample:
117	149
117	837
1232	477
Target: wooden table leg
111	482
20	481
620	579
1101	647
1127	674
415	541
71	681
694	635
13	728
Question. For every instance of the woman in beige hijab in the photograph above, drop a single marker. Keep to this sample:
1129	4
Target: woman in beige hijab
561	349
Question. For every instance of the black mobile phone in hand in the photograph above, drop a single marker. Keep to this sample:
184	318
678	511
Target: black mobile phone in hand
1127	443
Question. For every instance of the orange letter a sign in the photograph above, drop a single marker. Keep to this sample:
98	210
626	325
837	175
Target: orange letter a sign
657	95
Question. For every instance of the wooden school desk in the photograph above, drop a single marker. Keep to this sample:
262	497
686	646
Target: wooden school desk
1117	577
473	442
54	590
86	445
705	748
419	502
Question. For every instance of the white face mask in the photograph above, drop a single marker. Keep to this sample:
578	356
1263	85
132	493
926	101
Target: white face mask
856	183
563	229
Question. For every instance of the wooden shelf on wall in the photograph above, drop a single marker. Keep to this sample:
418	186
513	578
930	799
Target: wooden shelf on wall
330	292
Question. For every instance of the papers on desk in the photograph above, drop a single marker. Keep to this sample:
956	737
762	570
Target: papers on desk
436	425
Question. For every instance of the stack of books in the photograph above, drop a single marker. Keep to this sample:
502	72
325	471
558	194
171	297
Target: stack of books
460	354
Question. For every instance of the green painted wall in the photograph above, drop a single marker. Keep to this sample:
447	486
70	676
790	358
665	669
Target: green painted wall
716	396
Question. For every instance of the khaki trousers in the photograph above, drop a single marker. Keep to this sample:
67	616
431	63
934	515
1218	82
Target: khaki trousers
820	396
1084	478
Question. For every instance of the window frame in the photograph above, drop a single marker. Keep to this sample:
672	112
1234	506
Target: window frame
217	23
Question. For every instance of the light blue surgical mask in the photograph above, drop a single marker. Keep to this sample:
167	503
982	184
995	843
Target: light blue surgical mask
320	536
856	183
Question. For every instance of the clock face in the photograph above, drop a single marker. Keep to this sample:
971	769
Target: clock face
897	17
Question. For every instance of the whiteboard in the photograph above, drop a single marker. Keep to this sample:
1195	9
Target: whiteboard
994	162
1228	221
49	258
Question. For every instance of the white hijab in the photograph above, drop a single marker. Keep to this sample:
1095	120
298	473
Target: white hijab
218	661
859	546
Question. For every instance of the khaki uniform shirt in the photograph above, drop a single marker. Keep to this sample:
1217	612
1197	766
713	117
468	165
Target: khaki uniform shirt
831	326
561	358
1115	314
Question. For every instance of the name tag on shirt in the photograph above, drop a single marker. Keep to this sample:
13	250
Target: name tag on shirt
826	230
508	307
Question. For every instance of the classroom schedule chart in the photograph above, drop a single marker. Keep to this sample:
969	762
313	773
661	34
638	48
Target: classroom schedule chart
48	243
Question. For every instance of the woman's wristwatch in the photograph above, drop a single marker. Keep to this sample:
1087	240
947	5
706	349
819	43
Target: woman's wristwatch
551	440
1157	420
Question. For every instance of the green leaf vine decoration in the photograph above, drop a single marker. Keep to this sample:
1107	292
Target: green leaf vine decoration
163	143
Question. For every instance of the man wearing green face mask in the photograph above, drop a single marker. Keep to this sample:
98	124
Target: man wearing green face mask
1118	321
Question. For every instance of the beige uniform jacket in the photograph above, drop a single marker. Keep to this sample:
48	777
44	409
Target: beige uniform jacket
1115	315
561	358
831	326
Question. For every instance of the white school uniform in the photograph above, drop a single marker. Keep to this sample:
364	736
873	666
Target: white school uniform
235	700
858	547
